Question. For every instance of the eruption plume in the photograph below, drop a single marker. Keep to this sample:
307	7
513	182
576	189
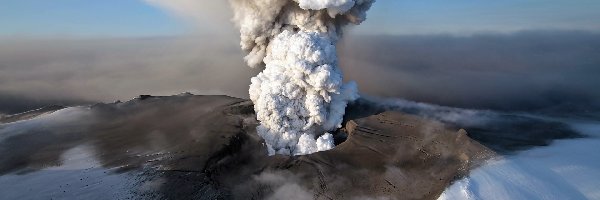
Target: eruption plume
300	95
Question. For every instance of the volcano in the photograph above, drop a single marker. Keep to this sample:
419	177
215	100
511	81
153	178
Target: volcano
206	147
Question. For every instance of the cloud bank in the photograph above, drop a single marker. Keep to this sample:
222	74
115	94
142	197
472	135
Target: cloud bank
521	71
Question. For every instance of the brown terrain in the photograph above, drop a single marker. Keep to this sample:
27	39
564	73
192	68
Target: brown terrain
206	147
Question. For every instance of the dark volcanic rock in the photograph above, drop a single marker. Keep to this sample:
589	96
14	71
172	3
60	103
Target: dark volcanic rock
206	147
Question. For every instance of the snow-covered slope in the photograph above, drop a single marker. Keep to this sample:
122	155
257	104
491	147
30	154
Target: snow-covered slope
567	169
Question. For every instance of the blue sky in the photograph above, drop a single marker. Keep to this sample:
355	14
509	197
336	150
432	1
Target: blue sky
85	18
137	18
472	16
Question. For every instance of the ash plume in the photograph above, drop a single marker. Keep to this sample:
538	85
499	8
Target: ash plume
300	94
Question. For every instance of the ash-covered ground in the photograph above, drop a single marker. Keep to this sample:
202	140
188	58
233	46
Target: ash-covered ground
206	147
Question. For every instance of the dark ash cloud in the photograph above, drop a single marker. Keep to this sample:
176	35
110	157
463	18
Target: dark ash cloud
526	70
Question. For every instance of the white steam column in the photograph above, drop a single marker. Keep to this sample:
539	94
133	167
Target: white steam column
300	95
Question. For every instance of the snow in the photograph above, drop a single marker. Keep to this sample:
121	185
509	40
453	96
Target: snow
78	177
567	169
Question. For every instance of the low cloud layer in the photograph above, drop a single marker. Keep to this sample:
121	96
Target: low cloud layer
118	69
526	70
519	71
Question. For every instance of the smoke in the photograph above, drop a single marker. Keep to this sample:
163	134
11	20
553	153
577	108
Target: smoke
300	94
274	185
202	15
522	71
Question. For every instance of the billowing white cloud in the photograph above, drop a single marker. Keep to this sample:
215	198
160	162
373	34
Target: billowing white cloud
300	95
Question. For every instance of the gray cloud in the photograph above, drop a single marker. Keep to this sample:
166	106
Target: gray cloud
119	69
524	70
517	71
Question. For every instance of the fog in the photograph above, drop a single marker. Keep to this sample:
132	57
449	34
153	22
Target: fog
526	70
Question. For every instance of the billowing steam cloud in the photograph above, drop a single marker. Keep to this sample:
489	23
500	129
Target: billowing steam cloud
300	94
